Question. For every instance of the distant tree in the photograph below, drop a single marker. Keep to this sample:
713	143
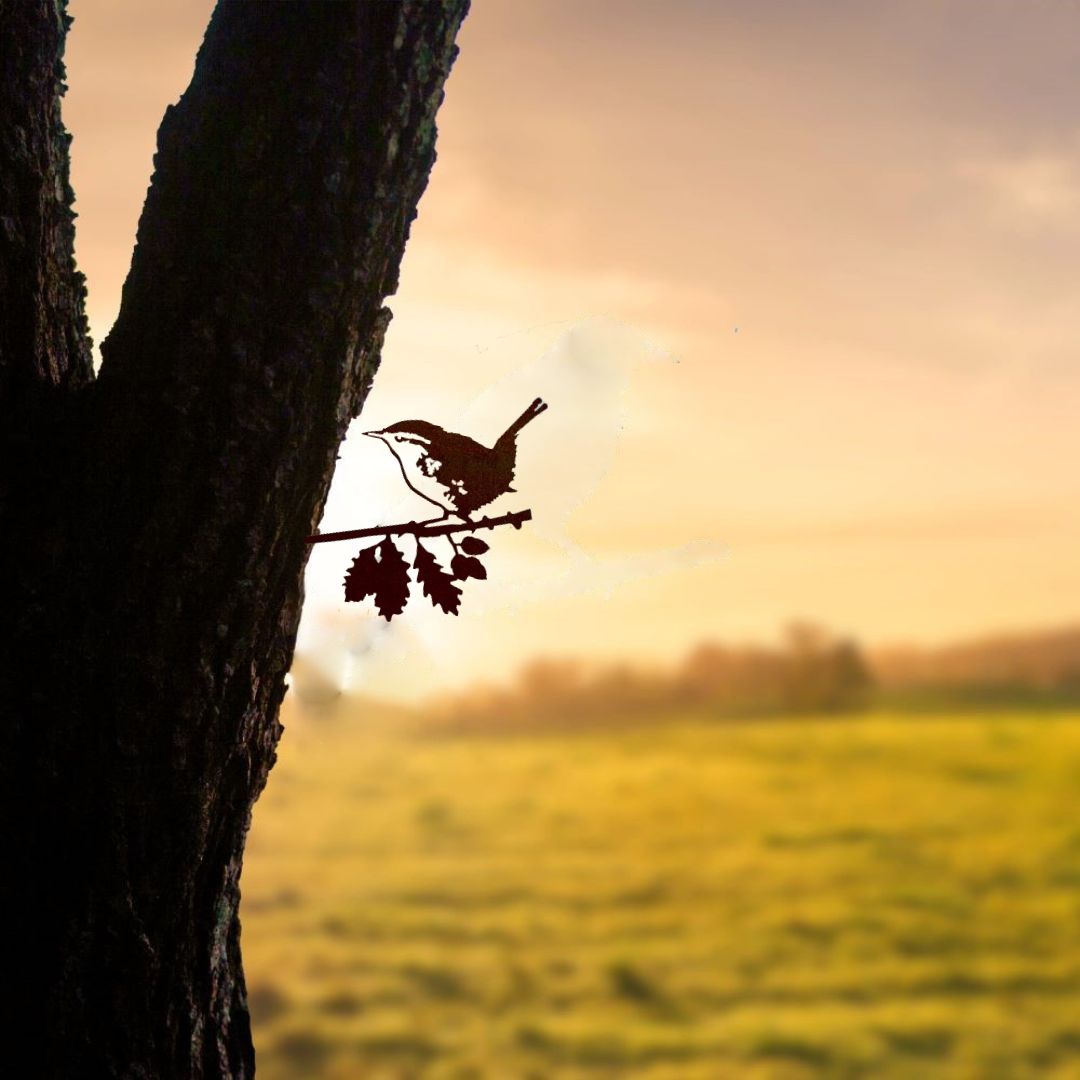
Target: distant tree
153	519
822	674
706	671
549	683
851	679
811	673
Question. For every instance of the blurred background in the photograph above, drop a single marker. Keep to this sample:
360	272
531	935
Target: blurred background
756	753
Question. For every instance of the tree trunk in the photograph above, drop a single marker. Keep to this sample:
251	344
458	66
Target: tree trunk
154	519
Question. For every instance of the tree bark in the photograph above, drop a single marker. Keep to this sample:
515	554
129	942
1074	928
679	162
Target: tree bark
154	519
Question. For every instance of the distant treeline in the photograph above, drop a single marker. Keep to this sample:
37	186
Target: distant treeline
809	672
1038	668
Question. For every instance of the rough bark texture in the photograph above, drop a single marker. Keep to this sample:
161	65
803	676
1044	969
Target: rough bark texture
154	519
42	327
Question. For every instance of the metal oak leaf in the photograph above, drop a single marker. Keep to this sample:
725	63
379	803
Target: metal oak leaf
393	584
360	581
382	572
438	585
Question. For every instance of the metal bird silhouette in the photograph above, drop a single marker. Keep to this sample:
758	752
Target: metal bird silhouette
452	471
455	473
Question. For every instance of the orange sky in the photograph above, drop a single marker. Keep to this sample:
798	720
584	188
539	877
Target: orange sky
884	199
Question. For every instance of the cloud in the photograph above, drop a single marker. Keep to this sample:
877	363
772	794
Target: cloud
1038	188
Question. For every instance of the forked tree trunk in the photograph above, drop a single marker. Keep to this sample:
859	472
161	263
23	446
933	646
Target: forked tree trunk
153	519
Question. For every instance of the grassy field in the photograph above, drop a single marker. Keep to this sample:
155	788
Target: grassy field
876	897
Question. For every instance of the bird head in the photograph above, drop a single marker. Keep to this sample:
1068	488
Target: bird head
408	443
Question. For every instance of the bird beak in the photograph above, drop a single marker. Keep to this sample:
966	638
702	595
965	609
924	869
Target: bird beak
373	434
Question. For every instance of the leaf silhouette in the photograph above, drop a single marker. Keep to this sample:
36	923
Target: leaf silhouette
362	579
464	567
381	572
438	584
392	585
473	545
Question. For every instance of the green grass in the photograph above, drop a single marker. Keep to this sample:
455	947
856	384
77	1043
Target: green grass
854	898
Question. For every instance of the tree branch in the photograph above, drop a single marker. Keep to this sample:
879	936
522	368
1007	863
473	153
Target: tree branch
423	528
285	183
43	335
154	587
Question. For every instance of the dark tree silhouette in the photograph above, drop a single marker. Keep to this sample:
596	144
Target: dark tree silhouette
154	519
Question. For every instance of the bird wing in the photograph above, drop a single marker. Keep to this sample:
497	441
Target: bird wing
474	475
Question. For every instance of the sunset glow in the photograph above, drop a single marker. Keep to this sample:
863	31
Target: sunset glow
827	255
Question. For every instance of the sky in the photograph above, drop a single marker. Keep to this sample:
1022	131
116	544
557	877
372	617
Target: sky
799	281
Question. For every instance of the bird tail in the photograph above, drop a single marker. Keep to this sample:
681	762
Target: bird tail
531	413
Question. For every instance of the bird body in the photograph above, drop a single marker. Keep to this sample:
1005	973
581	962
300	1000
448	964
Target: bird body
456	473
